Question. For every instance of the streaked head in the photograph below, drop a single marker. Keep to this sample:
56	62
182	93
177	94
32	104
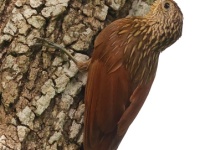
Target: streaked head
166	10
168	21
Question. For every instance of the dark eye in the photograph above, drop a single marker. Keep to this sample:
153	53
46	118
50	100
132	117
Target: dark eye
167	5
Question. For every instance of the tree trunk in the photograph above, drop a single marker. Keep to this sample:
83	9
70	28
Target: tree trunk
41	105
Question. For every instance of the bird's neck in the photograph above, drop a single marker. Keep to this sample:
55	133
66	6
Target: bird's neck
141	49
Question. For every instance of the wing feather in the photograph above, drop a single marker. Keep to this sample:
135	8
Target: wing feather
137	99
107	96
112	99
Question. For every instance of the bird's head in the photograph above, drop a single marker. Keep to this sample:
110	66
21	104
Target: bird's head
166	10
167	19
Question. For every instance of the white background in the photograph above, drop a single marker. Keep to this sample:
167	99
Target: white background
170	117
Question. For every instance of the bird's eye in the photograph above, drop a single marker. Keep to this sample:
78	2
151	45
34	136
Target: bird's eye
167	5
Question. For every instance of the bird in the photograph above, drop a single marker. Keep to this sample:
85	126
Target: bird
122	69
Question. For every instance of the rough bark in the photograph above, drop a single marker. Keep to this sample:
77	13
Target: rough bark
41	105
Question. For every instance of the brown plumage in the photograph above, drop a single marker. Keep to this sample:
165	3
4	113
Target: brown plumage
122	70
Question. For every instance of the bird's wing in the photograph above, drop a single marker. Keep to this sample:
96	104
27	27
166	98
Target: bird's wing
112	99
107	96
111	105
137	99
107	93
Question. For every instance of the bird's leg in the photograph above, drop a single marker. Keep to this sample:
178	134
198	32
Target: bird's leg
82	66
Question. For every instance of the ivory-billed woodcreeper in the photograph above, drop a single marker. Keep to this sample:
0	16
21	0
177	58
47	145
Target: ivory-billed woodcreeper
122	69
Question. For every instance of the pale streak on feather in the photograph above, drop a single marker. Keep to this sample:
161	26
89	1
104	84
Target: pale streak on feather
163	38
132	51
142	28
136	25
144	37
111	70
148	50
146	79
126	25
149	30
154	57
116	52
114	48
145	53
129	35
133	62
140	58
129	40
114	43
151	39
112	35
108	59
139	45
125	49
122	32
142	75
150	67
137	33
135	71
126	65
122	43
144	31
